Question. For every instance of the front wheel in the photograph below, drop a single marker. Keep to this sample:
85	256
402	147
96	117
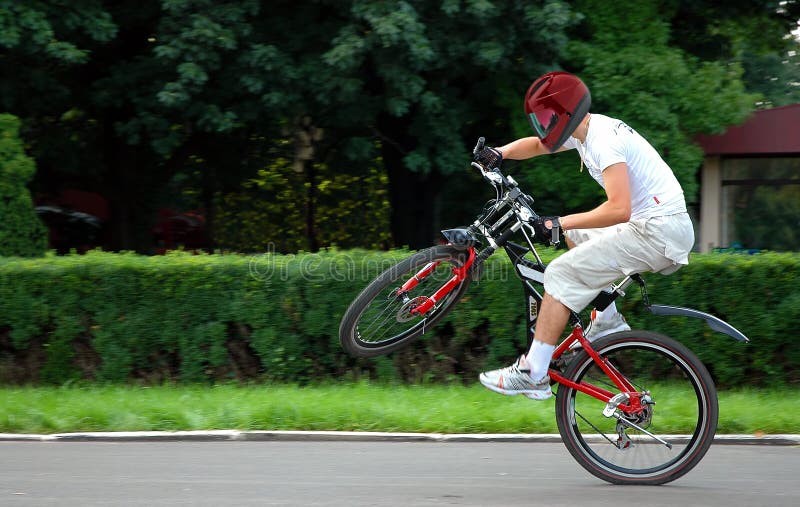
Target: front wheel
660	443
381	319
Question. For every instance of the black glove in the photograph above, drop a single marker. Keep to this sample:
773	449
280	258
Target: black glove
544	233
489	158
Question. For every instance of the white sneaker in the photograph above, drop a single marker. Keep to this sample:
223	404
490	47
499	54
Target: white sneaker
601	328
516	379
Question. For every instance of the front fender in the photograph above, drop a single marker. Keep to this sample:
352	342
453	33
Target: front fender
461	237
713	322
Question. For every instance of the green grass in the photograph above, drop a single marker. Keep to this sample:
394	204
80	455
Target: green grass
353	407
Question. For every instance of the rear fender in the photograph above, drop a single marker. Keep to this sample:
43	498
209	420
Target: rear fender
713	322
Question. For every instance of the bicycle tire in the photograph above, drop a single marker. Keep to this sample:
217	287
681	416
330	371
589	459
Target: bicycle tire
352	331
674	369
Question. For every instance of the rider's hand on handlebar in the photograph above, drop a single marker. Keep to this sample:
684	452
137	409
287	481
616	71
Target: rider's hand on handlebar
489	158
543	227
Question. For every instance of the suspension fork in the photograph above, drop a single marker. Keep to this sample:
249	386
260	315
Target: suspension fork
459	274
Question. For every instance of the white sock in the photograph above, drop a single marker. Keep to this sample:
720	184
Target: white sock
538	359
609	313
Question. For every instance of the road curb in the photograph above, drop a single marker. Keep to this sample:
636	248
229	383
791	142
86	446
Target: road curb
345	436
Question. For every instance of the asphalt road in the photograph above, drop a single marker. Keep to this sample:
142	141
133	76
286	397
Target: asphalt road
370	473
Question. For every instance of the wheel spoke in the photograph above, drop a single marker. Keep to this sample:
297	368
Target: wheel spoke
379	320
646	447
376	320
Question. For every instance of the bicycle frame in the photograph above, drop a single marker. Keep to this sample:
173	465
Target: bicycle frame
458	276
527	272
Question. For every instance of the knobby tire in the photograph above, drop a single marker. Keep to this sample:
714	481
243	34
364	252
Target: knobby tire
374	323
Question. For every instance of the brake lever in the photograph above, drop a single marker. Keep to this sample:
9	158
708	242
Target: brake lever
493	177
555	237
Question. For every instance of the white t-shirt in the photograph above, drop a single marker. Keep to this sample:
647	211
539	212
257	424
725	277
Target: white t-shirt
654	189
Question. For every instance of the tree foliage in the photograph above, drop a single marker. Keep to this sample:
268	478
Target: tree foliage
21	232
426	79
283	209
168	101
751	33
625	56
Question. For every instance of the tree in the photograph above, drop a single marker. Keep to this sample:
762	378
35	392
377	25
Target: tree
751	33
21	232
289	207
153	103
177	101
626	55
775	76
174	100
426	79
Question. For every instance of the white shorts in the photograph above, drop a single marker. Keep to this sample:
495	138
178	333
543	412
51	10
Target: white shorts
601	256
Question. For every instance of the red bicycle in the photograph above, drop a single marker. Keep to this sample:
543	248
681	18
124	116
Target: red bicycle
610	392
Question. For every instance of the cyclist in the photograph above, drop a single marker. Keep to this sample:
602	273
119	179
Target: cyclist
642	226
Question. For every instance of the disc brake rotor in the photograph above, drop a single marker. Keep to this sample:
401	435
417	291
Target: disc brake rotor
404	314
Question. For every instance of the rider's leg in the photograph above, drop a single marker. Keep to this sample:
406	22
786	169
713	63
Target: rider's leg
573	279
553	318
606	321
528	375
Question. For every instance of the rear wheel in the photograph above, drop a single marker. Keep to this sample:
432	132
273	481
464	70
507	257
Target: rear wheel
667	437
380	320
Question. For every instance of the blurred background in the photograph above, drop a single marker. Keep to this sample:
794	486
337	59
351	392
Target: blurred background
243	125
288	127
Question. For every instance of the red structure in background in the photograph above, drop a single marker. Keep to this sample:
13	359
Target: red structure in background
75	220
767	135
766	132
175	229
78	220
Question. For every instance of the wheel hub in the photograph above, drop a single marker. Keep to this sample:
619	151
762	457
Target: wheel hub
404	314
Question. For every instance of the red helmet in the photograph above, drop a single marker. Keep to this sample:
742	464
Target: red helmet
555	104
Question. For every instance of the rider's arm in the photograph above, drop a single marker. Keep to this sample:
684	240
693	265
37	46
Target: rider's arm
524	148
615	210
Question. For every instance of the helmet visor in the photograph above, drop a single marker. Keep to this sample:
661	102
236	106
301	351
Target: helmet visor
543	121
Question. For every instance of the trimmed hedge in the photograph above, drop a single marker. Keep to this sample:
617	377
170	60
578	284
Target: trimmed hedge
207	318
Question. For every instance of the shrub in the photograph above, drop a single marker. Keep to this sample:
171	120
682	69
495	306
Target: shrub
124	317
21	232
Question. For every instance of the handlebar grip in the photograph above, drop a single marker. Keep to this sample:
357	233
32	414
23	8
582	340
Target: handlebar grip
479	146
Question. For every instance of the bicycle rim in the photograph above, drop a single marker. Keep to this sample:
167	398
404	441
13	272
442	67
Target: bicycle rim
683	413
386	318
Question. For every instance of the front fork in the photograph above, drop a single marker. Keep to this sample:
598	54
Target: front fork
428	302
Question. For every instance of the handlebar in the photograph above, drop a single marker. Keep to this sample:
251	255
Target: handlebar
510	187
492	175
